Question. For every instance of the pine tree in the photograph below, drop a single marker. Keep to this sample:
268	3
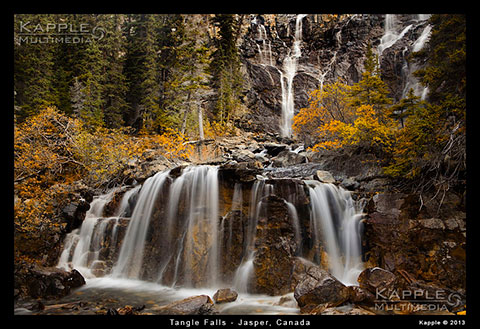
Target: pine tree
445	70
114	85
371	90
141	70
225	67
187	82
33	67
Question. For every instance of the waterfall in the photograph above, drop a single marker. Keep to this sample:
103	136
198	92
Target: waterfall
244	272
131	254
201	184
82	245
286	78
265	51
391	36
336	222
412	81
169	230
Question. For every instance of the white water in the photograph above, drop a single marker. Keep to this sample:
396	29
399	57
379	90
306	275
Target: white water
411	81
131	254
391	36
82	245
286	78
336	222
201	184
244	272
189	215
265	51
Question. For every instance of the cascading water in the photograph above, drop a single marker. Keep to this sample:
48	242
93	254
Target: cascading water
177	237
83	245
289	72
244	273
265	51
412	81
131	254
391	36
336	222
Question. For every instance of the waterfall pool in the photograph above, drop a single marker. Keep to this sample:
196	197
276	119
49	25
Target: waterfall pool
104	293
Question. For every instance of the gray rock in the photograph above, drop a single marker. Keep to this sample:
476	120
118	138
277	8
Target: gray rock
243	155
195	305
432	223
350	184
287	158
324	176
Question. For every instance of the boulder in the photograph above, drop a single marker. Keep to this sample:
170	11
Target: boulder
273	149
47	282
324	176
195	305
319	287
376	280
288	158
225	296
243	155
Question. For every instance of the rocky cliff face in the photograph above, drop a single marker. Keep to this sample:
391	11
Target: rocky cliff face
332	48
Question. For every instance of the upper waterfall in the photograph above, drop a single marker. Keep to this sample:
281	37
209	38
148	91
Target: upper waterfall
287	75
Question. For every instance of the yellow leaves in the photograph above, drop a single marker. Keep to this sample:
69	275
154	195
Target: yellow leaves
214	129
173	144
52	150
366	129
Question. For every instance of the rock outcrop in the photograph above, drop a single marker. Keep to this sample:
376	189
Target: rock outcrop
33	281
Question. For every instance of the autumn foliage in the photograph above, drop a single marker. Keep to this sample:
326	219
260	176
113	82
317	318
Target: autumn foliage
52	151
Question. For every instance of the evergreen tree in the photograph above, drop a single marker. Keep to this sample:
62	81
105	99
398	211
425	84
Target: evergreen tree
225	67
187	82
141	70
371	90
432	146
115	85
33	67
445	70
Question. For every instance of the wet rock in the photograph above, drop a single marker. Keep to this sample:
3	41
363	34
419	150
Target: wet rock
376	279
74	213
240	172
112	206
225	296
275	248
195	305
274	149
319	287
360	295
48	282
232	244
